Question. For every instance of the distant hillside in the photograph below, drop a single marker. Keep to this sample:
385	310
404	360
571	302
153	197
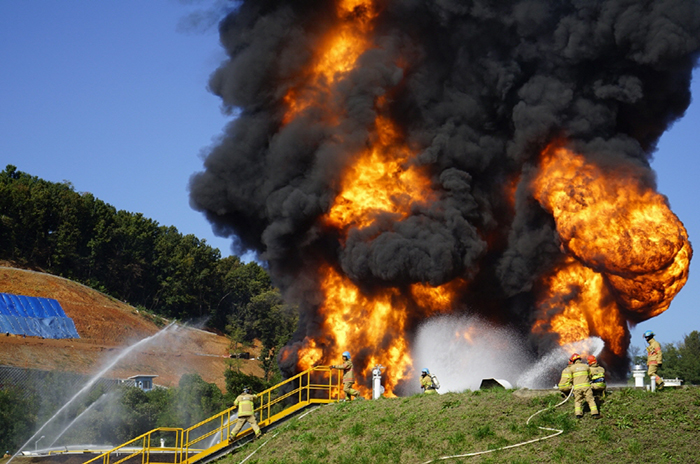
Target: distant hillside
636	426
106	326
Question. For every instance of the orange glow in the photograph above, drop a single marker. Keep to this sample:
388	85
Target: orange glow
337	54
378	183
310	355
437	300
609	221
378	180
353	321
577	305
466	334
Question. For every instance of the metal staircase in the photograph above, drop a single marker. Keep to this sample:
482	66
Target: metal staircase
209	440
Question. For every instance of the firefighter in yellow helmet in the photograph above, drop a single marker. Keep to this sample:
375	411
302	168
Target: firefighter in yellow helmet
348	377
654	358
565	383
246	407
597	378
577	376
426	383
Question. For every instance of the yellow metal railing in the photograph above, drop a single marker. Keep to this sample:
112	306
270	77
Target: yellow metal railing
145	445
317	385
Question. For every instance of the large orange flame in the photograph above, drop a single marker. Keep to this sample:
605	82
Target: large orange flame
629	254
336	55
376	325
378	183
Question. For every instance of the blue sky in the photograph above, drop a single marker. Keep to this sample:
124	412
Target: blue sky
111	96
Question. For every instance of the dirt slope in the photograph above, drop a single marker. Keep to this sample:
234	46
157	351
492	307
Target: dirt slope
106	327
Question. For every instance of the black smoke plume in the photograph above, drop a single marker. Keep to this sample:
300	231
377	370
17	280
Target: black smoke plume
478	89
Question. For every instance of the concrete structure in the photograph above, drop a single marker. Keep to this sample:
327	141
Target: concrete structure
638	372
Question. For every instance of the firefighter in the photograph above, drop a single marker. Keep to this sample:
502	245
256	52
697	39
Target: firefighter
246	405
565	383
348	377
576	376
654	358
426	383
597	379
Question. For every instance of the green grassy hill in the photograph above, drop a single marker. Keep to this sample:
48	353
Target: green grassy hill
636	426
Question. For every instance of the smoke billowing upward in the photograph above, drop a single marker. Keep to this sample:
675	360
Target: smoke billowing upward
414	154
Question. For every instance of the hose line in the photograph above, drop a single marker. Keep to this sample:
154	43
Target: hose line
557	432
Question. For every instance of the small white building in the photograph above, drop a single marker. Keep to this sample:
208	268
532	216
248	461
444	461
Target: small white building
144	382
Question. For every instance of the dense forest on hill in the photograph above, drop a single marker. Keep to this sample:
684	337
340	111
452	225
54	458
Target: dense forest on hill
49	226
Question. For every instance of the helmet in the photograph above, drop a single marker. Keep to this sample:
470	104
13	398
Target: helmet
425	371
346	354
591	359
574	357
246	389
648	334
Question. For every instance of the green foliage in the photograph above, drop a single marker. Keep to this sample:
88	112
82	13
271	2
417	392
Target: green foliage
114	417
679	361
483	431
689	362
132	258
194	400
356	430
18	418
235	381
353	432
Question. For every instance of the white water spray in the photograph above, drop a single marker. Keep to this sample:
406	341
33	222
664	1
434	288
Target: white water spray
101	399
554	361
462	351
216	438
94	379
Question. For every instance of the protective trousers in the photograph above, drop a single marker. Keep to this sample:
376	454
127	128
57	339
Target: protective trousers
652	370
349	391
241	421
584	394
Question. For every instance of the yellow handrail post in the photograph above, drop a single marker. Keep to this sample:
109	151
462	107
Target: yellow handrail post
188	450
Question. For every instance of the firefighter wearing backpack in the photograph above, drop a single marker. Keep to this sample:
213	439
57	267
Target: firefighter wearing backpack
348	377
576	376
246	405
597	378
427	383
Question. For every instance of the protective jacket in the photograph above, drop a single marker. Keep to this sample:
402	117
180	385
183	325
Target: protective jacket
245	404
426	382
575	376
653	352
348	373
597	376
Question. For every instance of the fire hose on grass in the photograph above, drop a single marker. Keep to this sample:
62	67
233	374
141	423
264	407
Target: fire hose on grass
477	453
443	458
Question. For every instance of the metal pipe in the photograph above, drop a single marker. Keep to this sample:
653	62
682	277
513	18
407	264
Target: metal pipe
638	374
377	388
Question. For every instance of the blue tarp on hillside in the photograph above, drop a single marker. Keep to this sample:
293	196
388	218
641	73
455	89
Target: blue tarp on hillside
39	317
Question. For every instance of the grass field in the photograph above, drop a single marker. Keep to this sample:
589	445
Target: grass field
636	426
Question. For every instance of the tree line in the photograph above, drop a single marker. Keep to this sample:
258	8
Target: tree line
681	360
107	418
49	226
